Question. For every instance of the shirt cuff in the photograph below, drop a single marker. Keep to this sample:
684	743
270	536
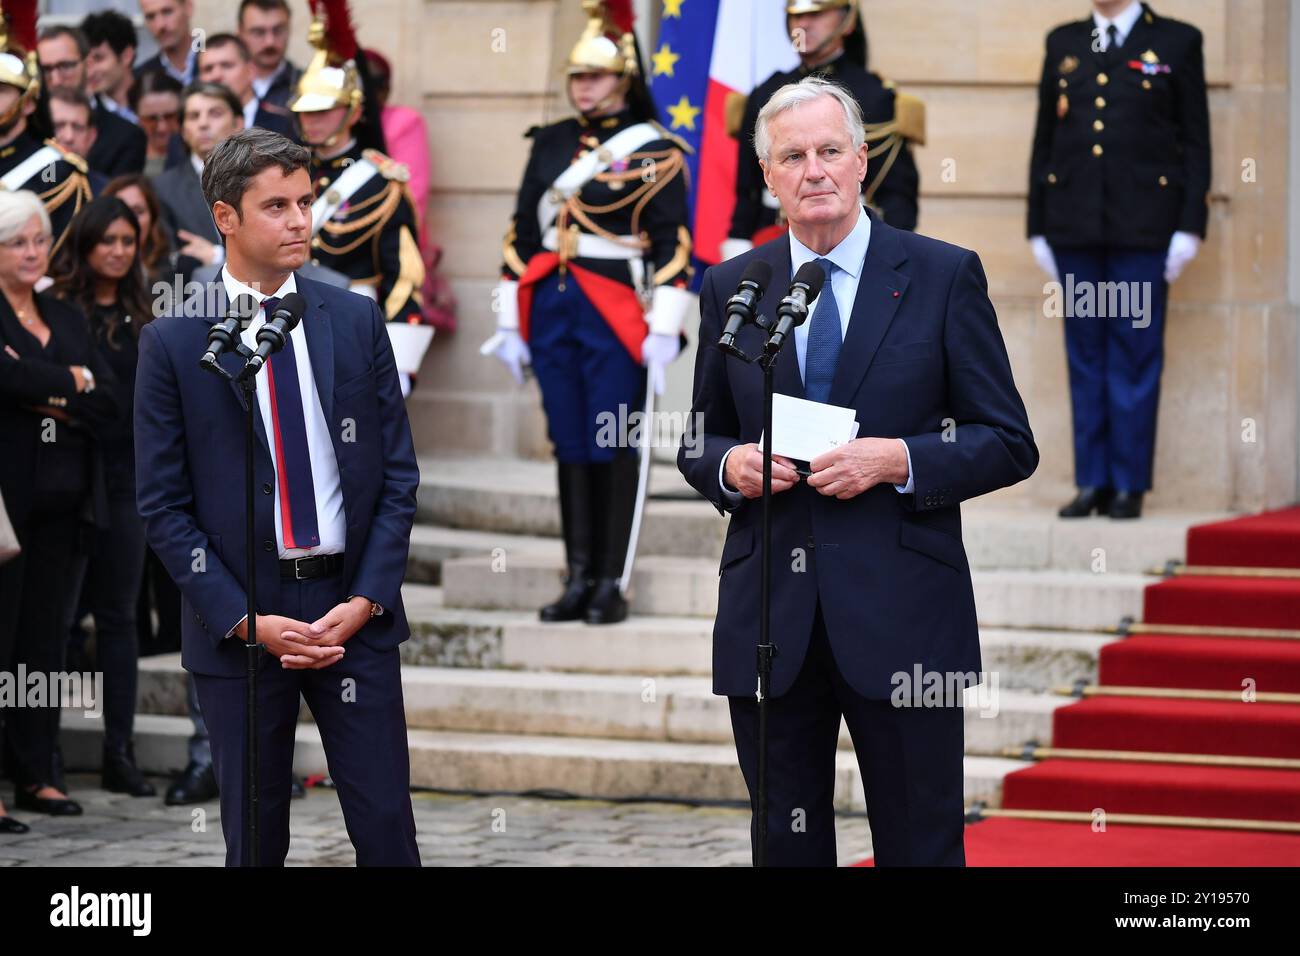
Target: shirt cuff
733	498
231	632
908	488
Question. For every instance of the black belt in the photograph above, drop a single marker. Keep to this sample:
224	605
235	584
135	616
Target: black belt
310	566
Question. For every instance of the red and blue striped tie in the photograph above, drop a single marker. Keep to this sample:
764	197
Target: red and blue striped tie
292	458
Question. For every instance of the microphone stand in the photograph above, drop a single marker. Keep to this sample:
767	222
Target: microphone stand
253	650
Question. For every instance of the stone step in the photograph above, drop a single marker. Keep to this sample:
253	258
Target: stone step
671	709
1064	600
504	763
518	498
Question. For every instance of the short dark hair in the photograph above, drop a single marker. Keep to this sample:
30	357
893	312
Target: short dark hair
111	27
218	40
266	6
215	90
79	38
230	167
74	97
152	81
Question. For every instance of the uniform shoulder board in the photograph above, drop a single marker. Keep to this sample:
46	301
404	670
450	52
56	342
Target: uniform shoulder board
71	158
909	113
388	168
672	137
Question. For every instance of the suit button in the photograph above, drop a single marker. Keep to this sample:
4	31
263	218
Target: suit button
1102	79
198	620
266	488
811	543
1065	84
1051	178
1097	150
268	545
1098	125
1146	84
1101	102
1164	180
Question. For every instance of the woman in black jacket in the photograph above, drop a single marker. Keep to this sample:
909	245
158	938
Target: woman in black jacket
55	393
99	270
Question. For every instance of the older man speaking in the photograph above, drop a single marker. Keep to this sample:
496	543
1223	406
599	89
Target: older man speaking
873	612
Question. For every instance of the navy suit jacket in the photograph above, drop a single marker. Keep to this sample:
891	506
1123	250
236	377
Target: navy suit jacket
189	441
922	350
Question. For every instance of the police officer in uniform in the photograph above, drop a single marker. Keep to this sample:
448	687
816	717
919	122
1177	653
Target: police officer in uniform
29	160
1118	193
594	293
832	43
364	216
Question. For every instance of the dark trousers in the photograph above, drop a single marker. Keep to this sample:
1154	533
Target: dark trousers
357	705
1115	365
910	759
112	572
35	592
584	373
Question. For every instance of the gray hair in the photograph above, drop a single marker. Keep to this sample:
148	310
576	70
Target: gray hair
808	90
236	160
16	210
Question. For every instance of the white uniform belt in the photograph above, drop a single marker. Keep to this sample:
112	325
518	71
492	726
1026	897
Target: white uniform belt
597	247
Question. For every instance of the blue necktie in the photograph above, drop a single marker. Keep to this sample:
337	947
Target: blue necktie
824	340
298	524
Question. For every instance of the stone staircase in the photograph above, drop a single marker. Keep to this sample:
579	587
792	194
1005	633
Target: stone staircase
498	702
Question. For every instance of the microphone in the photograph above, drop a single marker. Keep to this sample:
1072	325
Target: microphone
743	306
225	335
272	336
793	310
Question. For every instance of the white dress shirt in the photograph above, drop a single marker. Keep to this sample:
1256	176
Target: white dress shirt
330	517
262	85
250	111
848	259
1124	23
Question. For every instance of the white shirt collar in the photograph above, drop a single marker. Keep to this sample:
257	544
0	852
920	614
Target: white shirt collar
263	85
235	288
197	164
1124	21
250	111
848	255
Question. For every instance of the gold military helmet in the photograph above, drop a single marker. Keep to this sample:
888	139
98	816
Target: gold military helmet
18	64
848	22
607	44
794	7
331	78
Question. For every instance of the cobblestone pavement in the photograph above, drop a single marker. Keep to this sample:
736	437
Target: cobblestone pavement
452	829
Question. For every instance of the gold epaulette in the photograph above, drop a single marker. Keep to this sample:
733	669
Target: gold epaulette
75	161
909	114
388	168
672	137
734	110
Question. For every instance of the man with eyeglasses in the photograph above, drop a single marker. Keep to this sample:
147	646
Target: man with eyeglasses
120	146
264	28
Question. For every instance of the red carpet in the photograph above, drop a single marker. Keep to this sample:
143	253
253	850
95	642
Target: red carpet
1186	726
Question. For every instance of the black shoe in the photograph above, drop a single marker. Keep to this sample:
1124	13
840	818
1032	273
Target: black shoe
25	799
196	784
121	775
615	486
1086	502
1127	505
10	825
576	519
296	790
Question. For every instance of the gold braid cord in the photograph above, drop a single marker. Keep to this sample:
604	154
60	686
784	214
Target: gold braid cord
665	166
889	140
74	189
368	225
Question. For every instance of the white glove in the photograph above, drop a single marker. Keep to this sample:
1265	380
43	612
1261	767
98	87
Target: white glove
657	353
1182	250
510	348
733	247
1043	255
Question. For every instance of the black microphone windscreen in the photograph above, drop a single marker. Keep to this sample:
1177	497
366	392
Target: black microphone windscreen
758	272
811	275
295	305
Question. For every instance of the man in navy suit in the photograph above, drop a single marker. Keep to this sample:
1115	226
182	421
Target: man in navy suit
873	612
335	477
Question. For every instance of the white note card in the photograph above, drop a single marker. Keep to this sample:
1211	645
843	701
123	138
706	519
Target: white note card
802	430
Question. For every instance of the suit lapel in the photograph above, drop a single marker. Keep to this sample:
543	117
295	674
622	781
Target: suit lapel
320	344
880	292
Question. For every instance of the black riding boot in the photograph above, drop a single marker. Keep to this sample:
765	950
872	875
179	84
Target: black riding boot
615	499
576	519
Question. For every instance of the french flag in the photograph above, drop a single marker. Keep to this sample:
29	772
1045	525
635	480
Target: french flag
712	52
